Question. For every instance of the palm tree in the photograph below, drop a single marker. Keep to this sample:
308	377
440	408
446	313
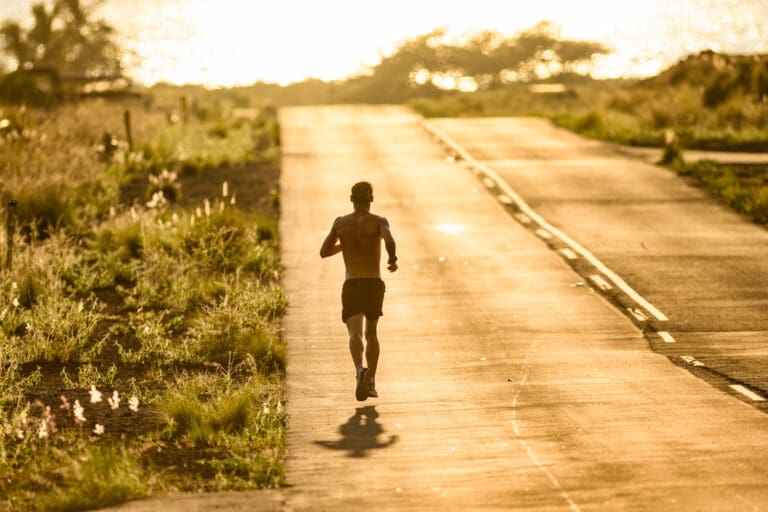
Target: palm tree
64	38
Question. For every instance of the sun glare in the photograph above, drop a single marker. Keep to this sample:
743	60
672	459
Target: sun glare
232	42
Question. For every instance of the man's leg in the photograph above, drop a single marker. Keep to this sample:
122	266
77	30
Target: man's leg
355	329
372	346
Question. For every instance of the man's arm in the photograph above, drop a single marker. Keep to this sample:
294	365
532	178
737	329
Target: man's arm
331	244
389	244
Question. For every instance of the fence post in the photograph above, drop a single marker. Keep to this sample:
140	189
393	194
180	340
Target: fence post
128	133
10	233
184	106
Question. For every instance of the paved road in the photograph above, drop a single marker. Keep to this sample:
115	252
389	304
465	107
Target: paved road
505	383
699	263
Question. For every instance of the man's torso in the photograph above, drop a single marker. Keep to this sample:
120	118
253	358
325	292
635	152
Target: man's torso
360	236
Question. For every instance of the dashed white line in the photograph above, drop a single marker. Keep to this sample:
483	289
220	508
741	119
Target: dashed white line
569	254
523	218
489	173
600	282
664	335
692	360
543	233
747	393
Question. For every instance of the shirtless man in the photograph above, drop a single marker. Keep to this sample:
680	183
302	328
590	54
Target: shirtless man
358	237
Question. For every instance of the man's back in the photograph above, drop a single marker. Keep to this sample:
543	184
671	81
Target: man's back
360	237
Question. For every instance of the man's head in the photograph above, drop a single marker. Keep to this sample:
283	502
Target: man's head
362	194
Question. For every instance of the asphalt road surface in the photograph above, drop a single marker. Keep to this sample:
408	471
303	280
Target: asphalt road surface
508	380
699	263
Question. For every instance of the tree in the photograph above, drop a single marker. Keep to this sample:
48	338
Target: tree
65	38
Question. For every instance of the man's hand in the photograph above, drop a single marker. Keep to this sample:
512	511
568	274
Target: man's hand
392	265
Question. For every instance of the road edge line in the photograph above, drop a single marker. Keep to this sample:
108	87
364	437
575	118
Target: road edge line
526	209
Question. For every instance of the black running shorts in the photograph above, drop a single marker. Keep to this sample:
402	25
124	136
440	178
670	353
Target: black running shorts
362	295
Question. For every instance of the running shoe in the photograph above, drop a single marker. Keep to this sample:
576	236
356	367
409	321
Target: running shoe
363	384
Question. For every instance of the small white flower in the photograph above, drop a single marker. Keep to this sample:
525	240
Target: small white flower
80	307
42	432
28	327
266	408
146	329
133	403
233	200
78	410
15	302
114	401
2	315
19	433
207	207
95	395
14	285
225	189
98	429
198	212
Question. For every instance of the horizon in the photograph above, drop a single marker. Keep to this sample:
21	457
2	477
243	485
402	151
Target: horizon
237	42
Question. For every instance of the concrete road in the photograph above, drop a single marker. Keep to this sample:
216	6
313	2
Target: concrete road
698	262
505	383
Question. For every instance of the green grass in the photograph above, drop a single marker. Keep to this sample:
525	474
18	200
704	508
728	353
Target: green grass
176	306
632	113
743	187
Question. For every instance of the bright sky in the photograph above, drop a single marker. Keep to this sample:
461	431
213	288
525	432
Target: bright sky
227	42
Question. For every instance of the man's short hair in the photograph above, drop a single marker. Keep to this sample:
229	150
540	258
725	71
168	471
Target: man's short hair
362	192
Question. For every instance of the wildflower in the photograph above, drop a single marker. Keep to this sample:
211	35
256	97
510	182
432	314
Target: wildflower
78	410
28	326
19	433
14	285
146	329
232	201
80	307
114	401
95	395
198	212
2	315
49	418
158	200
42	431
266	408
98	429
133	403
15	302
64	403
175	218
112	211
225	189
207	207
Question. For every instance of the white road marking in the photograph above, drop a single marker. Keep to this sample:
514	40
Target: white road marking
543	233
639	316
692	360
600	282
618	281
569	254
668	338
505	199
521	217
747	393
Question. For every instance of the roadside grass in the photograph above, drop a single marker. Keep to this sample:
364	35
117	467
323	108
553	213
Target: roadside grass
741	186
139	341
633	113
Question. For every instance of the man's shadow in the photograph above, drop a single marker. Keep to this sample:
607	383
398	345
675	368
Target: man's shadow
359	434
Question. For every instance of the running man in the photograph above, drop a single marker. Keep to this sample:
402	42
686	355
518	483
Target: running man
358	237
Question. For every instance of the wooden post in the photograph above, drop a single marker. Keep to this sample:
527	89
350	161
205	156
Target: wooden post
184	109
10	233
128	133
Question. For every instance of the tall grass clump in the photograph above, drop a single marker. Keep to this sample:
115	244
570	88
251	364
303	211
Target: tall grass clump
138	330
